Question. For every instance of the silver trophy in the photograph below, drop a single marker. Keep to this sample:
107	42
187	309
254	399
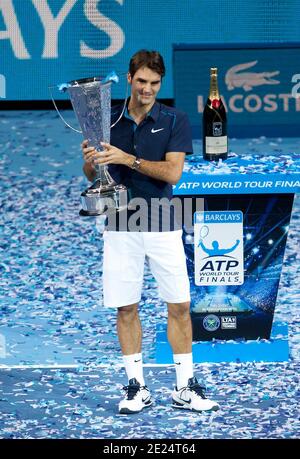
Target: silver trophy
91	101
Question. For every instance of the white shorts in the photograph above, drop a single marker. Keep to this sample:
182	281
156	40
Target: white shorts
123	266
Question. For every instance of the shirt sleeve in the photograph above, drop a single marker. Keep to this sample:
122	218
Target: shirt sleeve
181	135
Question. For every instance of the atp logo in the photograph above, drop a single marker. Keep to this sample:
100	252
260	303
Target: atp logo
2	87
216	251
218	248
236	78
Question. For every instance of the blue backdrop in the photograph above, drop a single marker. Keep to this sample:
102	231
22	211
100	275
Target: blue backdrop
259	84
44	42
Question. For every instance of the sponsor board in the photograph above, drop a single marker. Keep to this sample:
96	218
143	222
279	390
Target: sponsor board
218	246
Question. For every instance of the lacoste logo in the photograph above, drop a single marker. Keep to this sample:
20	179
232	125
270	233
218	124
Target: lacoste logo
247	80
156	130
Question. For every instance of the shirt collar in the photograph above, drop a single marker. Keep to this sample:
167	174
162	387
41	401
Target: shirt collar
154	112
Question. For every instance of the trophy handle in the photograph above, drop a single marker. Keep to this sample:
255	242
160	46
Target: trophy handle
123	109
59	114
77	130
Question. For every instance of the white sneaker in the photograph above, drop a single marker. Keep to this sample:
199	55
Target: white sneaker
136	399
192	398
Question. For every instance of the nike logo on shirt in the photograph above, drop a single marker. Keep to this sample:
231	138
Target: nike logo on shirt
156	130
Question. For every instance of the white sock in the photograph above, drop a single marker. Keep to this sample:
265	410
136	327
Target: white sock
184	369
134	367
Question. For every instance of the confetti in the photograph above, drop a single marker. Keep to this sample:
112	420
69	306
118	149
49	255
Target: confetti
52	314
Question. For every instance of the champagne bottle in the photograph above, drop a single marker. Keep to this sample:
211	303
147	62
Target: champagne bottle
215	142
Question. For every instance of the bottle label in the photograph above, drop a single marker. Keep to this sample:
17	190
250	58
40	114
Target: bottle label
217	129
216	145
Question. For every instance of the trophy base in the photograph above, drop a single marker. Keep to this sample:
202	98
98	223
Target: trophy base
99	200
89	213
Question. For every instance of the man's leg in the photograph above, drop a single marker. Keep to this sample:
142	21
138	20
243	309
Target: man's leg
130	337
129	329
180	327
180	339
188	394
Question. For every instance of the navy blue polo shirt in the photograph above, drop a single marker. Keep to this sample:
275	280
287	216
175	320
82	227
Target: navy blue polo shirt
165	129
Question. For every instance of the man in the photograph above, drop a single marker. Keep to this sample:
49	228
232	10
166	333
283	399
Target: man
146	153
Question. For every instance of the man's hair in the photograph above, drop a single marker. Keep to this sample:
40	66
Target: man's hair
144	58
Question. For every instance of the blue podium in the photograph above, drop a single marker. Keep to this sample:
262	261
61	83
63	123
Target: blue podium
235	232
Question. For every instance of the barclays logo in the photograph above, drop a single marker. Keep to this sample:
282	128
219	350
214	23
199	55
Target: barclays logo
236	78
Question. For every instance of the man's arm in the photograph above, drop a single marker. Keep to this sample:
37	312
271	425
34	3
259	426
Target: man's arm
89	171
88	166
168	171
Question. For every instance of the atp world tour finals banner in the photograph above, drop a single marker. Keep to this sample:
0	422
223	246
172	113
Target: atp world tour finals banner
259	85
234	260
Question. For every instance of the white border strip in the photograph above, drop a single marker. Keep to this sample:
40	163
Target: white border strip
84	367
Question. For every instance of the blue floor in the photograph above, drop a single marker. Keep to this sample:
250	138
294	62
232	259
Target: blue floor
51	312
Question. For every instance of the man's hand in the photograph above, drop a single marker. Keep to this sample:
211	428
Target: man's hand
89	153
110	155
113	155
